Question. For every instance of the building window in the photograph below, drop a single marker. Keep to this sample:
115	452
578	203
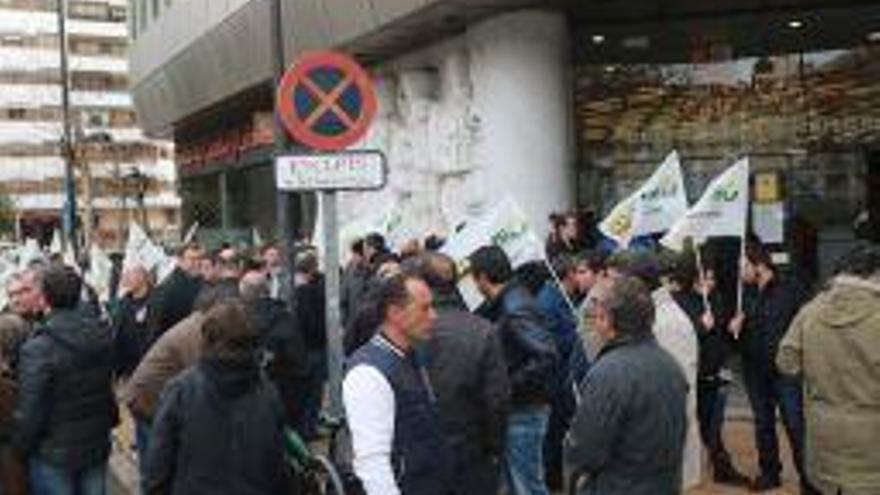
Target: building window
117	14
90	10
17	113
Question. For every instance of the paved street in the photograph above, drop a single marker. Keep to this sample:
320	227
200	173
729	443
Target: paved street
123	478
738	434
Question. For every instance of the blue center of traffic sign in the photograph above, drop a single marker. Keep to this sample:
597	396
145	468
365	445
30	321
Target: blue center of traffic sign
327	101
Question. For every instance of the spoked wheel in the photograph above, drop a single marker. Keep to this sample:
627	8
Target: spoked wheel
323	477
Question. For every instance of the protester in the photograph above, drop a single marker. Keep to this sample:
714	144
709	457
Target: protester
311	322
565	236
279	277
628	433
598	272
27	305
129	321
674	333
173	299
374	246
769	305
219	428
397	434
557	302
285	354
363	325
530	356
696	295
26	297
834	344
177	349
467	369
66	406
353	282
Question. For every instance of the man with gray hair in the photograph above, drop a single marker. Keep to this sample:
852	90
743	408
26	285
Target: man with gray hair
629	429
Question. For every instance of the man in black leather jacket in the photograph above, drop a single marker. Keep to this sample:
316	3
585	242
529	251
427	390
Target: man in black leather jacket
530	355
66	406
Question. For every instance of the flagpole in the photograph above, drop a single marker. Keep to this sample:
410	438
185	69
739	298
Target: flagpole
561	288
739	287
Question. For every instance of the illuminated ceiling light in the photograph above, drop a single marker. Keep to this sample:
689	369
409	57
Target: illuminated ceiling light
873	37
598	39
610	69
795	24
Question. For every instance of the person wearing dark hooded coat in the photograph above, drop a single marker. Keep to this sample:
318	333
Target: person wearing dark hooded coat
220	424
66	406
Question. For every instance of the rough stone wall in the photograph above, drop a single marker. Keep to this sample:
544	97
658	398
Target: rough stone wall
434	114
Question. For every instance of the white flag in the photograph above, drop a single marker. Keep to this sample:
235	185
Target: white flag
30	251
654	207
140	250
722	211
100	268
505	226
55	246
191	233
256	238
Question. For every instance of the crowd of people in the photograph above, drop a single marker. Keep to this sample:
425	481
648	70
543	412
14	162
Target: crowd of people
604	372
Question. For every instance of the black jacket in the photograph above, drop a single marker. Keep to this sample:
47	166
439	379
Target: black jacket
172	301
627	436
467	371
66	404
131	336
362	324
282	341
768	313
529	348
311	315
715	344
219	429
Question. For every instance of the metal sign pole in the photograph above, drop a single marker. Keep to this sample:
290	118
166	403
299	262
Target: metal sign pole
331	287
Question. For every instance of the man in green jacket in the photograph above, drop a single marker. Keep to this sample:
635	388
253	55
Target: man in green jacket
834	343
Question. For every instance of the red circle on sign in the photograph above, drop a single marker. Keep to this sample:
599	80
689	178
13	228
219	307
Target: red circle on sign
300	75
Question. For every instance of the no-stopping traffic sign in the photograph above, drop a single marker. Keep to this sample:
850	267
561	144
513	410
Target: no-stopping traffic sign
326	101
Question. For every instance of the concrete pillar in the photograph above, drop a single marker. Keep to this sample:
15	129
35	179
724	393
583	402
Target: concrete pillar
520	65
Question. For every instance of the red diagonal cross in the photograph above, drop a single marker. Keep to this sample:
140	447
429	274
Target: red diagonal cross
328	101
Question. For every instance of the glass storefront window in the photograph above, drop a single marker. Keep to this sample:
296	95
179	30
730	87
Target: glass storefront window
809	116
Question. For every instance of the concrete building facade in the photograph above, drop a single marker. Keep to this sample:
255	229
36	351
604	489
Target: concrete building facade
557	104
121	175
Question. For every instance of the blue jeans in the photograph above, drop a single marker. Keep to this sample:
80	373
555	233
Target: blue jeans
48	479
142	431
523	455
767	391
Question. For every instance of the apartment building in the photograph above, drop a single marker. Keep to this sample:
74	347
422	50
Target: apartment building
120	174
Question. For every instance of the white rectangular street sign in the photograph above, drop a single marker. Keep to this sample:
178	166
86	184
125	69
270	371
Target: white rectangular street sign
344	170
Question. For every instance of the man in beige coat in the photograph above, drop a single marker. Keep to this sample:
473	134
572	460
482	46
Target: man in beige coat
834	343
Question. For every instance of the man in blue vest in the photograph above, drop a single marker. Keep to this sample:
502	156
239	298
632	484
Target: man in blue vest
399	448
